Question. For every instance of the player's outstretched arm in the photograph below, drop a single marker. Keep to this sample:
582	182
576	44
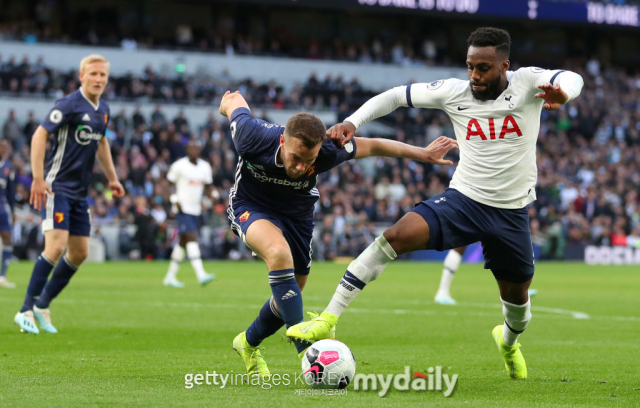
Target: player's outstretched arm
39	188
106	162
379	105
230	102
434	153
567	87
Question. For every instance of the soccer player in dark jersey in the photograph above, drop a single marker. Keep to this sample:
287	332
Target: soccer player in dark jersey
6	213
78	122
271	204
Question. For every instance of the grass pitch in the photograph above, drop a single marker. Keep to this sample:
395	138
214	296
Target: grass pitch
127	340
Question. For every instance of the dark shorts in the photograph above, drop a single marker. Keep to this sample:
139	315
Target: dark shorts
188	223
62	212
5	218
297	233
456	220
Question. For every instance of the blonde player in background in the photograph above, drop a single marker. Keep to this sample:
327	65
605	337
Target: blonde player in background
190	175
496	119
78	122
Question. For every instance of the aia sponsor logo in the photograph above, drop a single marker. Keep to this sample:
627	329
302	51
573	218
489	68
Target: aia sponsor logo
509	125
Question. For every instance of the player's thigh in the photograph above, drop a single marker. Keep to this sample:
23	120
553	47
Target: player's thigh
461	249
77	249
6	238
409	234
454	221
299	236
509	252
5	227
79	218
55	241
188	237
267	241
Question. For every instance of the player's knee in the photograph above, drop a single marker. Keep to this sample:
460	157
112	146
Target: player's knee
54	252
78	255
279	257
514	293
394	238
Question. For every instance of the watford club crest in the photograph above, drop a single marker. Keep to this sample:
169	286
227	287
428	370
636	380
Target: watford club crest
244	216
106	118
59	217
311	170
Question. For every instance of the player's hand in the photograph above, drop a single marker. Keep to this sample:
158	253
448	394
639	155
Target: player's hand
225	101
341	133
435	152
554	97
39	191
116	189
179	207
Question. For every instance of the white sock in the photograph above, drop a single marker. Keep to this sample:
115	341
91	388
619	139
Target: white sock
516	319
451	264
177	255
364	269
193	253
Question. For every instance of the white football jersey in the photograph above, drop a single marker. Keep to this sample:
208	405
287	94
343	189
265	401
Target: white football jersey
497	138
190	179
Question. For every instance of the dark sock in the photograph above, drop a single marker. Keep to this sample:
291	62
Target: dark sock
266	324
60	278
288	297
41	271
6	259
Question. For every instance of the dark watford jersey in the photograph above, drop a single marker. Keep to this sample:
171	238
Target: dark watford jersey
77	126
6	186
261	180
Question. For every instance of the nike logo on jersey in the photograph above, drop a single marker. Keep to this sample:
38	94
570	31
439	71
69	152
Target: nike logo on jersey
460	108
86	117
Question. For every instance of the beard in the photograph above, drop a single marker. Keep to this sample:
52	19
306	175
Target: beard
491	91
291	174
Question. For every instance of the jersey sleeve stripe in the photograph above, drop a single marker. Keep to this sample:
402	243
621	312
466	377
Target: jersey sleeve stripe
409	96
553	78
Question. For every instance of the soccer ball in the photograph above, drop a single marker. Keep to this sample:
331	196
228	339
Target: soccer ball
328	364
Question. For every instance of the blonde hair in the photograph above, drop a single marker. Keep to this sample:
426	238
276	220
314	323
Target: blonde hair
93	58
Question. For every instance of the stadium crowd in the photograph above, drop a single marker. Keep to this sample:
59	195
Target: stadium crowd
588	157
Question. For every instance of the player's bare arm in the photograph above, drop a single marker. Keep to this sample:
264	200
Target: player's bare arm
434	153
39	188
230	102
106	163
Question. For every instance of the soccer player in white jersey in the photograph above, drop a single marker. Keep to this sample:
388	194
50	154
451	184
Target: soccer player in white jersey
496	119
190	175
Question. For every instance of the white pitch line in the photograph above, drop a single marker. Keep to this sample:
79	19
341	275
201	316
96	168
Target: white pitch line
450	310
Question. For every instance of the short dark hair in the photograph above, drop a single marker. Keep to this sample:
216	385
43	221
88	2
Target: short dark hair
307	127
491	37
